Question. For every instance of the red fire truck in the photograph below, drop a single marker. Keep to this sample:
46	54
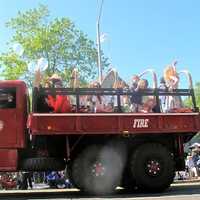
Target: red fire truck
101	150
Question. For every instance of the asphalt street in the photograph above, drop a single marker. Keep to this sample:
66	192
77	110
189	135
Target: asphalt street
183	191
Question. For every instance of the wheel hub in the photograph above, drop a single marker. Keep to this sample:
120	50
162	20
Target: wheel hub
153	167
98	169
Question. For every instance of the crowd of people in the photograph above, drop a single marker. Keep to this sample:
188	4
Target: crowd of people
28	180
192	164
105	103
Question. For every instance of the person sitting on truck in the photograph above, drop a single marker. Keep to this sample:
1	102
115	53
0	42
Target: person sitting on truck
51	103
137	98
124	99
59	103
171	78
163	99
149	105
134	83
42	105
99	103
141	103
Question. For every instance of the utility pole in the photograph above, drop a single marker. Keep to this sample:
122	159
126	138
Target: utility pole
99	43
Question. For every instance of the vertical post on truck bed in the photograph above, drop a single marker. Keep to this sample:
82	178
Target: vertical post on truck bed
77	99
157	107
194	101
34	99
119	101
191	88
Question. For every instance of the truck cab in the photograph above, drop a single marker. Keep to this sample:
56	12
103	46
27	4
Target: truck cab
13	117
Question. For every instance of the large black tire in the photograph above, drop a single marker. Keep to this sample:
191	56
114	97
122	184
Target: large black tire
99	170
152	167
75	172
43	164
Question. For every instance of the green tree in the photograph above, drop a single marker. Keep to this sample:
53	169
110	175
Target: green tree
57	40
188	101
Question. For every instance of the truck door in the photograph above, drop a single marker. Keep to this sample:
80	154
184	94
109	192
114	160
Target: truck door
8	117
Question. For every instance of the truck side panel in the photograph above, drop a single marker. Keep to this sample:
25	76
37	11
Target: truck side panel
8	128
99	123
8	159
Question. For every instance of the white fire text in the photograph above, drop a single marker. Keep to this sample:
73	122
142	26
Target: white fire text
141	123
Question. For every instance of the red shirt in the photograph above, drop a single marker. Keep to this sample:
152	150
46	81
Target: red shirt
59	103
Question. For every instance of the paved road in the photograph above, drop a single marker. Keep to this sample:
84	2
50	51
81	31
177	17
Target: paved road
186	191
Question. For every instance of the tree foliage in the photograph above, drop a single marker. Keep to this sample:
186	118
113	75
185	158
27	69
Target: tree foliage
56	40
188	101
197	94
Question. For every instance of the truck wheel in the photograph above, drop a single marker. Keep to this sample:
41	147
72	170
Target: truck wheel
152	167
43	164
75	172
101	170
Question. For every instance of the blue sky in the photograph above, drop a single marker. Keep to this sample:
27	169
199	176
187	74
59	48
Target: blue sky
141	34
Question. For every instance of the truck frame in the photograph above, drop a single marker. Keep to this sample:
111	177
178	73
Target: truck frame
101	150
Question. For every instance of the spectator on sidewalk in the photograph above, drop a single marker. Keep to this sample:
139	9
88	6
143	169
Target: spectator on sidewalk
26	181
191	167
196	159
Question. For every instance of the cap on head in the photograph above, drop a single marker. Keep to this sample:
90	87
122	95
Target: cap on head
55	78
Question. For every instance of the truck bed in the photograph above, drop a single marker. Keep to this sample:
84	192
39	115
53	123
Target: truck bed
113	123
